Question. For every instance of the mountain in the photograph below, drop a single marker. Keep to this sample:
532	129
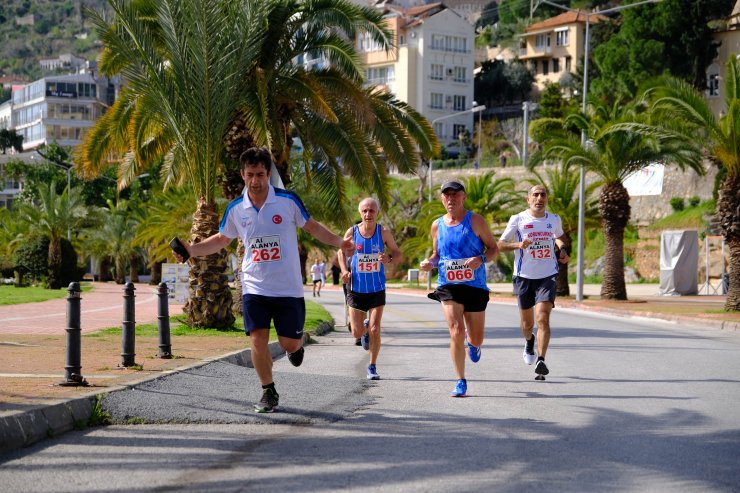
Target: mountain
38	29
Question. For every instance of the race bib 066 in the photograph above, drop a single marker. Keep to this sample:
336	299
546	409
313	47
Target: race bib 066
368	262
265	249
457	271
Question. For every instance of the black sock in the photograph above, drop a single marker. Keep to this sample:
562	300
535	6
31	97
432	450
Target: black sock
541	358
270	386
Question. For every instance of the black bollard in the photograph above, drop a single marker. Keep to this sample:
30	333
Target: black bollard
129	326
163	322
72	377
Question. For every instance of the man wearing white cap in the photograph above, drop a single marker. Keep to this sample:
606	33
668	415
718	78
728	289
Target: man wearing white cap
461	245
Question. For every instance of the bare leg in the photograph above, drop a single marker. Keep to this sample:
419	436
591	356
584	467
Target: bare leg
261	357
475	322
375	314
455	322
543	310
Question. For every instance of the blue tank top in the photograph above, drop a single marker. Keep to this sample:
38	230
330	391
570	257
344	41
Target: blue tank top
455	244
368	272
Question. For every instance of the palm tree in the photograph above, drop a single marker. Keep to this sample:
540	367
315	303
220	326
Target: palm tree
114	238
619	141
676	102
208	78
490	197
562	185
181	62
53	216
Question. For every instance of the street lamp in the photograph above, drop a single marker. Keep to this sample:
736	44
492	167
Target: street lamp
474	109
582	183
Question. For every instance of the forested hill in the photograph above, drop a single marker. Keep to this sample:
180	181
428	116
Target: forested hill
31	30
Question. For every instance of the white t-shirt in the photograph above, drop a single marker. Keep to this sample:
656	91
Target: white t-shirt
271	264
316	272
537	261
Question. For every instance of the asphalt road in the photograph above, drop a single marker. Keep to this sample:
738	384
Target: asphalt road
629	405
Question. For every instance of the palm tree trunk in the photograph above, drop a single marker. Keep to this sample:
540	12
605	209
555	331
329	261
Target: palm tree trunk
236	300
209	304
120	271
133	271
728	213
54	281
614	207
156	273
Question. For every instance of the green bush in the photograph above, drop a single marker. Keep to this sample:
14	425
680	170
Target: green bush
32	261
694	201
677	204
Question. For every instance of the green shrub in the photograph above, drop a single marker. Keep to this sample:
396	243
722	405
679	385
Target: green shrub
32	260
694	201
677	204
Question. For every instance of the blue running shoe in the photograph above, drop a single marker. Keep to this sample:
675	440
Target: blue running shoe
461	388
473	352
372	373
365	339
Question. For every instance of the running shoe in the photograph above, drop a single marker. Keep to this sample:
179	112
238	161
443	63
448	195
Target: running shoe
268	403
529	354
473	351
372	373
461	388
358	341
365	339
296	358
541	368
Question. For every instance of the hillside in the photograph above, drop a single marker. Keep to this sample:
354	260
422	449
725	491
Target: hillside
31	30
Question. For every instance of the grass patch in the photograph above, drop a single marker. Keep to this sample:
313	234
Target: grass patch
11	295
315	315
691	218
98	416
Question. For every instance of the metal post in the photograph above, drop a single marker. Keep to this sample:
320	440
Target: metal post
72	377
525	138
129	326
431	164
582	176
163	322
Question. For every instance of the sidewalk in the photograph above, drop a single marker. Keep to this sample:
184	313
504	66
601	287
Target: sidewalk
33	348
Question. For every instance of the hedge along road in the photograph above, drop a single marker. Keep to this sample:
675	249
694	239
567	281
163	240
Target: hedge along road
629	405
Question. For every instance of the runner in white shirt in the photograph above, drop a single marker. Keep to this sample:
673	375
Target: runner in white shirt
535	235
316	276
265	219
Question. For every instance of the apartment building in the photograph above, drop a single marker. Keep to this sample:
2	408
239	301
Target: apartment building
57	108
553	46
430	67
729	39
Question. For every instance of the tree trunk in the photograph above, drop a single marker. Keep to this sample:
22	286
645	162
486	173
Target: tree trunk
209	304
133	269
120	271
614	207
156	273
236	295
104	275
54	281
728	213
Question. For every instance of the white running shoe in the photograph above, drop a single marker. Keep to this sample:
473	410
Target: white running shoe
529	354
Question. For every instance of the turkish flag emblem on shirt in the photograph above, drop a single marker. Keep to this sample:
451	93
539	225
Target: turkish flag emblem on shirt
277	219
359	248
529	226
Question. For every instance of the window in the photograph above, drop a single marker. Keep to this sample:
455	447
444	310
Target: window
459	74
459	130
561	37
456	44
713	80
437	101
568	64
437	72
439	129
459	103
545	67
380	75
555	65
542	41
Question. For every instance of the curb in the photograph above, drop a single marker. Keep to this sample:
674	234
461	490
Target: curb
20	429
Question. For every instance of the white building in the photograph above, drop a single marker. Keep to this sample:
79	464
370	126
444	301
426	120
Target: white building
431	67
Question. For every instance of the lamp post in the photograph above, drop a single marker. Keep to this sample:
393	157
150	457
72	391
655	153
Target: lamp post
582	177
474	109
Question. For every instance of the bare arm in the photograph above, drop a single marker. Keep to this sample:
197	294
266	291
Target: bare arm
508	246
210	245
480	227
322	233
342	259
564	257
392	252
429	263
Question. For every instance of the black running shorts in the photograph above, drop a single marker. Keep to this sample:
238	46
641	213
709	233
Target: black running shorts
289	314
365	301
472	299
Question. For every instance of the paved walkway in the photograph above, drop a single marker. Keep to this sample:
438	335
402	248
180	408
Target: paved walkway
100	308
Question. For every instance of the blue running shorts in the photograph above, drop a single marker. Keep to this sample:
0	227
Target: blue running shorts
529	292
